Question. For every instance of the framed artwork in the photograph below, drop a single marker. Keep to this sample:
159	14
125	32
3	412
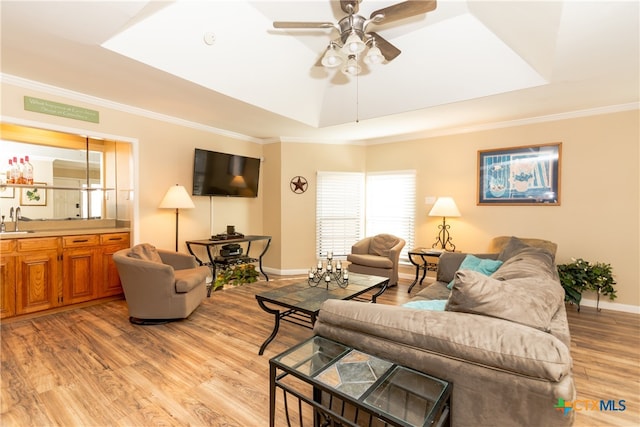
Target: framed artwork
7	192
34	196
528	175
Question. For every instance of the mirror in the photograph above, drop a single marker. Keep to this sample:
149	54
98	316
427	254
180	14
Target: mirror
79	174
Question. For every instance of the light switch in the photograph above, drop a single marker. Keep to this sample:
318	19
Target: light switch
429	200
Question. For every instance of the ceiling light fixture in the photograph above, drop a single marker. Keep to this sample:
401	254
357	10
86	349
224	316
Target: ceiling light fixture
352	67
354	38
350	53
332	58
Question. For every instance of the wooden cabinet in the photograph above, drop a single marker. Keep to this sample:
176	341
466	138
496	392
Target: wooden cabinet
37	284
110	244
41	273
7	278
81	268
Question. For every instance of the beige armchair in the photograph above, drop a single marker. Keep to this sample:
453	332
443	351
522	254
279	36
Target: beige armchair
377	255
160	285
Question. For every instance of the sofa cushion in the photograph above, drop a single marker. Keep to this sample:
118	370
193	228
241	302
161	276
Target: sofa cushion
528	262
530	301
513	246
434	304
436	290
145	252
189	279
473	263
370	260
449	263
498	244
480	340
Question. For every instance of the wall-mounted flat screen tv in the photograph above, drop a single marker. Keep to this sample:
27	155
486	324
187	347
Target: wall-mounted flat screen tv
222	174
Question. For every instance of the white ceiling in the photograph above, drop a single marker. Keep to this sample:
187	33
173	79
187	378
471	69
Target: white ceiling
464	65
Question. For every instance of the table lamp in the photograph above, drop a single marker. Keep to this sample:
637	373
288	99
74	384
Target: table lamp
444	207
176	198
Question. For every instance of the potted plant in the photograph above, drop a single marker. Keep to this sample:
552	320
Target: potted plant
235	275
580	275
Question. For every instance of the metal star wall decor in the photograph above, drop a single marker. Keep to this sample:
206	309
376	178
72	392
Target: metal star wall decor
298	184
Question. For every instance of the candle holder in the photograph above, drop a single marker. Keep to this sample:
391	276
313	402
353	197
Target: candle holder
328	272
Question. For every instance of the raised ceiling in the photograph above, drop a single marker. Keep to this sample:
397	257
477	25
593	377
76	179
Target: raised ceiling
466	64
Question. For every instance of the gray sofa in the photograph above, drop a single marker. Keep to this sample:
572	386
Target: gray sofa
503	340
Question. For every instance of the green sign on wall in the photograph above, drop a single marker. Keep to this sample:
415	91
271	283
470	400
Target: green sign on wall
62	110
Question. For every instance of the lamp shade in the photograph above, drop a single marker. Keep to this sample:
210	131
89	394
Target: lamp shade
177	198
445	207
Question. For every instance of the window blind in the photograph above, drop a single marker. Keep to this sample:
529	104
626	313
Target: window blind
339	212
390	206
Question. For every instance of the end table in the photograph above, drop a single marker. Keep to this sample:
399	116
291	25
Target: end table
418	257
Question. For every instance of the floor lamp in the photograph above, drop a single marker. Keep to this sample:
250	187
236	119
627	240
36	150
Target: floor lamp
176	198
444	207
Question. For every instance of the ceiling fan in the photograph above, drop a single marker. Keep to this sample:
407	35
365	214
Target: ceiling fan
354	38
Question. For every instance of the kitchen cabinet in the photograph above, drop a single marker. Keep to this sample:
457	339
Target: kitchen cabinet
43	273
7	278
37	280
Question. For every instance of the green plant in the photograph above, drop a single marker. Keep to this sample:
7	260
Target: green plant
581	275
235	275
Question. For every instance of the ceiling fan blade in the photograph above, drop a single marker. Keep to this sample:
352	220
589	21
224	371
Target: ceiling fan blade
389	51
349	6
402	10
292	24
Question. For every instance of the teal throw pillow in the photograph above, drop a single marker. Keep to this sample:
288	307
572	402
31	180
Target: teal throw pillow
481	265
434	304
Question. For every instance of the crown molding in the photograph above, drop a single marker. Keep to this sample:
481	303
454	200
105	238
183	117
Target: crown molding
81	97
56	91
506	124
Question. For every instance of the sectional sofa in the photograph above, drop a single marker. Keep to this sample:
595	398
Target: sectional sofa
501	339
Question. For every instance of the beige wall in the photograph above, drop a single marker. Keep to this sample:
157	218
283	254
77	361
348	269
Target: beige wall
298	211
599	215
598	219
165	157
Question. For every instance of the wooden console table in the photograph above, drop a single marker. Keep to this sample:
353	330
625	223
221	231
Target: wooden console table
215	261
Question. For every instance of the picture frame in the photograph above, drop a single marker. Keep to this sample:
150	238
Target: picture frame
526	175
34	196
7	192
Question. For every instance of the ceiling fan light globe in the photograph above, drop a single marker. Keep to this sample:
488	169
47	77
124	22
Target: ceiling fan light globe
374	56
353	44
331	59
351	68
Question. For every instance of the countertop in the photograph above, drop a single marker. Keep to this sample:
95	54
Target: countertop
62	232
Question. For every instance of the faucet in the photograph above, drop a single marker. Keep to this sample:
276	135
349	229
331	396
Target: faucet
11	213
18	216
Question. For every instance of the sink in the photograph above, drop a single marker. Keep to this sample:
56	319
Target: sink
14	233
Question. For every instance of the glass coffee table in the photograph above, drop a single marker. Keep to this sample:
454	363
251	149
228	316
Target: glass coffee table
300	303
333	384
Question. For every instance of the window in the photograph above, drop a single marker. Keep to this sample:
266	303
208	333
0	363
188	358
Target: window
339	212
343	218
390	206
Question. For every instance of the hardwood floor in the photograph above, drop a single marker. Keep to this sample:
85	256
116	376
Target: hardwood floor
91	367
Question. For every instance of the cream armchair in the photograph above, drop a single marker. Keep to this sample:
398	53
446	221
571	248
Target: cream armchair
160	285
377	255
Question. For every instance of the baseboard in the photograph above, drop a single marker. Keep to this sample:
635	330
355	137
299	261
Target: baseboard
608	305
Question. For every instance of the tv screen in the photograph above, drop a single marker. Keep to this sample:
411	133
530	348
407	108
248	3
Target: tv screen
222	174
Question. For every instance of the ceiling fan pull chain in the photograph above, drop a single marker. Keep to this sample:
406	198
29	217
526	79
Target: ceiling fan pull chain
357	98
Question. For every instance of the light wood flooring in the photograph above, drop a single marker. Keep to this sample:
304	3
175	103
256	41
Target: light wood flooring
91	367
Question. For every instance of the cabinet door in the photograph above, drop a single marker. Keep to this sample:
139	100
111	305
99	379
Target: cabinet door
7	286
112	243
80	277
37	281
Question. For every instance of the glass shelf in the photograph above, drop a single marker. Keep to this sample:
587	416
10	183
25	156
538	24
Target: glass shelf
53	187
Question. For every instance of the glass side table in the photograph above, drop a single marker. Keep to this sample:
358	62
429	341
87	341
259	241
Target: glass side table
332	384
423	260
